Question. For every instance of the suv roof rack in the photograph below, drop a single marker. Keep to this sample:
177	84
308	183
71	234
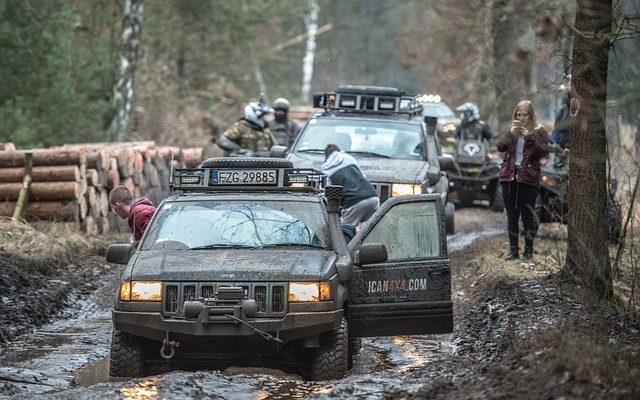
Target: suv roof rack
247	179
368	100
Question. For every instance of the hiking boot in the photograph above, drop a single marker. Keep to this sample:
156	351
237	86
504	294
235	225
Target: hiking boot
528	254
512	254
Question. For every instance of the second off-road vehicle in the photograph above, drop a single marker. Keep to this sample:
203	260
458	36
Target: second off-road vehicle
399	153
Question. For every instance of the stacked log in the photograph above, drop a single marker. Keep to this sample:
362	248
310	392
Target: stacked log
72	182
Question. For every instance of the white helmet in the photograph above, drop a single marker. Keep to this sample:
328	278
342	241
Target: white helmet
254	111
469	111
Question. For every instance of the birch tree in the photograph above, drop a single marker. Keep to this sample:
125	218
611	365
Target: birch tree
123	89
307	62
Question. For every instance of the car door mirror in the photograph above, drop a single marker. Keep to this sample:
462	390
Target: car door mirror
370	253
278	151
446	162
119	253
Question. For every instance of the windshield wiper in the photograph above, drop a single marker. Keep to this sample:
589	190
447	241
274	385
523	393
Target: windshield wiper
368	153
315	246
309	151
222	246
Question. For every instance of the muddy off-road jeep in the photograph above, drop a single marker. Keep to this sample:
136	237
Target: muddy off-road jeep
384	130
249	262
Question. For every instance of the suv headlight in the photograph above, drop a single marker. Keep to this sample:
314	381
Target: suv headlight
309	291
402	189
141	291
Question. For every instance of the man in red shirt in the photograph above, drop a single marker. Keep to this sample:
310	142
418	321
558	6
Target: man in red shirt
138	212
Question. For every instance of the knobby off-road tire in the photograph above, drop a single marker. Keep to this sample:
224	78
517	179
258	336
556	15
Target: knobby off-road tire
127	356
449	211
331	359
248	163
497	201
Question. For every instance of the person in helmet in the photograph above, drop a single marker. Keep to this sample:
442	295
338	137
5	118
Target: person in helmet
471	126
251	134
560	134
284	130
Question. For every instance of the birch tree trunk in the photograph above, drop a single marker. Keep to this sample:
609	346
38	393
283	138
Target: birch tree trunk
587	247
307	61
123	90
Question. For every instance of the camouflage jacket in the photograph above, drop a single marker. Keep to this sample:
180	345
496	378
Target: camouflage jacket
250	136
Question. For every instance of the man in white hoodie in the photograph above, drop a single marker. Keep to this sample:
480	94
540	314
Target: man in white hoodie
360	199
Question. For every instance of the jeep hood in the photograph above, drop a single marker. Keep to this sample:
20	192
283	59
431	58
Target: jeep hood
232	265
376	169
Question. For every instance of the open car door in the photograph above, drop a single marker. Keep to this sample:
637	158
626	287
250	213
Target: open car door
410	292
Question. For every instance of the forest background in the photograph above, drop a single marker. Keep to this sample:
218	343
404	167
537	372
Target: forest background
199	61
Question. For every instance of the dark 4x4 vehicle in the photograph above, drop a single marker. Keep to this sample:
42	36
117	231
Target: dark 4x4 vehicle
250	260
552	204
476	172
398	152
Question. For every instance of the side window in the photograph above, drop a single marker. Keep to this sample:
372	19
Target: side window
409	230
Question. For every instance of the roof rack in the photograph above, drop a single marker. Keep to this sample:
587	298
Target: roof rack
245	179
368	100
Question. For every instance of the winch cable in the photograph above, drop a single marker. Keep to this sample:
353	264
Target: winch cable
265	335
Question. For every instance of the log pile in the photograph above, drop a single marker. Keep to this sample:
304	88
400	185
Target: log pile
72	182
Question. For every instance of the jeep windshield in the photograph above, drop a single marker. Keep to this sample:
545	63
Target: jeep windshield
211	224
363	137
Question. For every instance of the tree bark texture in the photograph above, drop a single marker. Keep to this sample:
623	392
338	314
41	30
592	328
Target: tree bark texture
42	174
587	247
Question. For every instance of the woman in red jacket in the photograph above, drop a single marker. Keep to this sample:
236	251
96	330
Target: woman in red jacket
524	145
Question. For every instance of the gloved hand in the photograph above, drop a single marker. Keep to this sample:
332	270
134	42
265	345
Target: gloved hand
243	153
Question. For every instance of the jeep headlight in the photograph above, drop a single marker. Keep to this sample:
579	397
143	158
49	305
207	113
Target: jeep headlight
549	181
141	291
402	189
448	128
309	291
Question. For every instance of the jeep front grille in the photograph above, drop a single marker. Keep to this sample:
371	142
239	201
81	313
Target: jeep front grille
261	298
171	298
383	190
271	298
277	296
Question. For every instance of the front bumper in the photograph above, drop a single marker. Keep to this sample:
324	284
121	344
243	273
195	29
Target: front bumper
298	325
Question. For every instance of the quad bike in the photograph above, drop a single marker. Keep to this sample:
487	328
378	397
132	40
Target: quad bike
552	204
475	175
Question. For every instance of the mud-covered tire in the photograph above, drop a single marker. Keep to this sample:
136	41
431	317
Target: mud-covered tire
249	162
614	220
497	201
127	355
331	359
449	211
542	210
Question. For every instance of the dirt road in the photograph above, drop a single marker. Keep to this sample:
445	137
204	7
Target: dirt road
69	357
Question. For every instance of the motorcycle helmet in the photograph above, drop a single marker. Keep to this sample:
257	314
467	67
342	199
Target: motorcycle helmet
469	112
254	111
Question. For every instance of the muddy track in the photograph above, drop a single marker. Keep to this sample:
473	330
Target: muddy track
68	358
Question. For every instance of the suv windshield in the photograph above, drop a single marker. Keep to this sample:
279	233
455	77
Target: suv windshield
237	224
370	138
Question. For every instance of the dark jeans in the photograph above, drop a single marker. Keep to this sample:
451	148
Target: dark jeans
520	202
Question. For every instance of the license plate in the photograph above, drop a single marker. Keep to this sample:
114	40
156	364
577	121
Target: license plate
244	177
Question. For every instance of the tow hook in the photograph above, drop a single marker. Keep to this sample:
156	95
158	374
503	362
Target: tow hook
172	344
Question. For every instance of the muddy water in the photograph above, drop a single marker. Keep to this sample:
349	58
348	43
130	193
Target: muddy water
69	358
